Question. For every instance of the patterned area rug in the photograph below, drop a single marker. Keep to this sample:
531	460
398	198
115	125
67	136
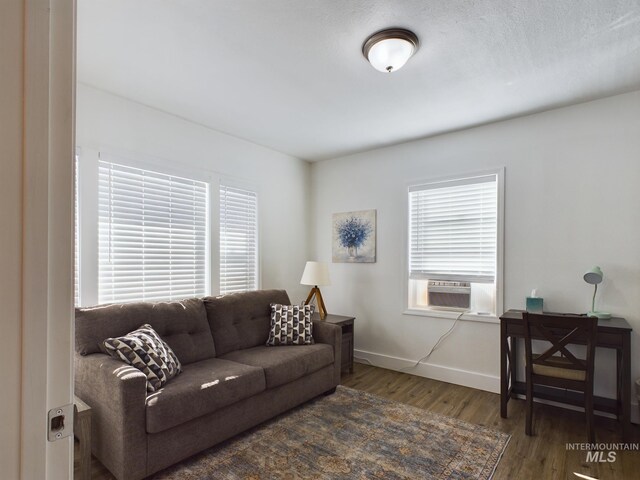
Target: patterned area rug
351	434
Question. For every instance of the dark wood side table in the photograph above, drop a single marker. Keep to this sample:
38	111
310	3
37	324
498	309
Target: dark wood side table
346	323
82	431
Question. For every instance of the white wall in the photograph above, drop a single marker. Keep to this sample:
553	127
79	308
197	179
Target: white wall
112	124
572	200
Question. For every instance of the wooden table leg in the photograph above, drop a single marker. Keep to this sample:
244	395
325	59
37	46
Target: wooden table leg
504	380
513	360
618	384
353	346
82	430
625	388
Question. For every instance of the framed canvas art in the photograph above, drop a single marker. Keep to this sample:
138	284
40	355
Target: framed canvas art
354	237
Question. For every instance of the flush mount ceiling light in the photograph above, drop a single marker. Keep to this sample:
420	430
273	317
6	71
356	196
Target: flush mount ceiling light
388	50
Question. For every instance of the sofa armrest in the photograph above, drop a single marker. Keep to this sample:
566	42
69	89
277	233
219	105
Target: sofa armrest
331	334
117	394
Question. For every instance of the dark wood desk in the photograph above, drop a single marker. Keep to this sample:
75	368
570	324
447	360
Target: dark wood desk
614	333
346	323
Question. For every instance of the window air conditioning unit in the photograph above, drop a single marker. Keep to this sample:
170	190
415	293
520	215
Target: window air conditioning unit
449	295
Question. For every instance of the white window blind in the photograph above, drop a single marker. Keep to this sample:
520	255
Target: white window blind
238	240
453	230
152	235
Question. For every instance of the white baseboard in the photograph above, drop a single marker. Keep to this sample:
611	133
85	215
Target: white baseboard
489	383
480	381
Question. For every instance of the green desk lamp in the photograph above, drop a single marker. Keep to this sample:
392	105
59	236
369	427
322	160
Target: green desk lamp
594	277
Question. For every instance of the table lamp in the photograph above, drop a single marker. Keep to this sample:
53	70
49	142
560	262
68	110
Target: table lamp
594	277
316	273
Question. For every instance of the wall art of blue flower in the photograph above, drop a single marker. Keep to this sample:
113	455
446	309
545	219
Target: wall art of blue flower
353	232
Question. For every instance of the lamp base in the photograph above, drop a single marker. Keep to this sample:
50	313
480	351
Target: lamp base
321	308
601	315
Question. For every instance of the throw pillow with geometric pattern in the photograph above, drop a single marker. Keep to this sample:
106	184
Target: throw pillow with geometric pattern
145	350
291	325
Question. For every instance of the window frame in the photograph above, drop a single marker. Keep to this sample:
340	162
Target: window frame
499	282
77	230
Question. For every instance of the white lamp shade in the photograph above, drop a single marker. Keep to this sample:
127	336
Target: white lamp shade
390	54
315	273
594	276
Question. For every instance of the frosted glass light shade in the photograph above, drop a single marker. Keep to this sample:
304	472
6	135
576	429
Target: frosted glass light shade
315	273
390	55
389	50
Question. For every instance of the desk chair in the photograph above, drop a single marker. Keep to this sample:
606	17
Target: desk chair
563	370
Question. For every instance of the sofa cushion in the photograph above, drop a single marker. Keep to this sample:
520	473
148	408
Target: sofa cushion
182	324
285	364
144	349
242	320
290	325
202	387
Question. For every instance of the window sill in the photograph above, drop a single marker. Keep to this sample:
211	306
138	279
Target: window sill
471	316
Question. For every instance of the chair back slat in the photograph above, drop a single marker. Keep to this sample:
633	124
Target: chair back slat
558	345
559	331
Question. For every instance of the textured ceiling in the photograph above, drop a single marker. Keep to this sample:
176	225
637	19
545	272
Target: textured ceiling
289	74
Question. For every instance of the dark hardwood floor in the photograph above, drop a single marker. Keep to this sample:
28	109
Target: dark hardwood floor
542	457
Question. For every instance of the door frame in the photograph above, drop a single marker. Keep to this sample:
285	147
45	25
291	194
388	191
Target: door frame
47	233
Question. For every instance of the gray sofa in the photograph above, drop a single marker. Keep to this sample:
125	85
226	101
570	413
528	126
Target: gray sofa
230	381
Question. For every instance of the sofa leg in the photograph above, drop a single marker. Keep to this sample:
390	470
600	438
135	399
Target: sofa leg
329	392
